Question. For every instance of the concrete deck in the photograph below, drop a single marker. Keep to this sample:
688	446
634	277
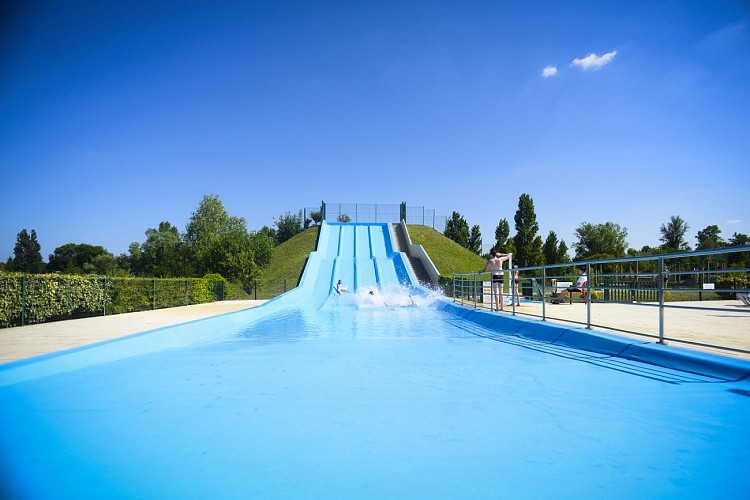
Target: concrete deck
33	340
719	323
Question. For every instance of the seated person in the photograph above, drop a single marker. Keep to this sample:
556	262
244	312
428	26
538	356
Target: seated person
340	287
578	287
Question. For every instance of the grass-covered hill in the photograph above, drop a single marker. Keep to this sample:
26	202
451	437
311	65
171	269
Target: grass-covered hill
289	258
447	255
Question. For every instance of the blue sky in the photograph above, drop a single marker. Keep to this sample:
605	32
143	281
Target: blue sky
115	116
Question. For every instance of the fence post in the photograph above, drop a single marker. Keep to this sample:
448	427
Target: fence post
23	299
255	289
187	292
153	293
104	306
284	285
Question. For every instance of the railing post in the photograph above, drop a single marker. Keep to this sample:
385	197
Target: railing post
588	296
255	289
544	293
153	293
453	283
475	291
104	300
661	300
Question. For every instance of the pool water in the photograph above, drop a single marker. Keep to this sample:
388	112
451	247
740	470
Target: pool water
357	399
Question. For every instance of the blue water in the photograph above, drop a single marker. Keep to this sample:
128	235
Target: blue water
358	400
394	394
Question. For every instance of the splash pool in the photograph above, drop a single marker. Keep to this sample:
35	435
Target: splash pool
395	394
357	400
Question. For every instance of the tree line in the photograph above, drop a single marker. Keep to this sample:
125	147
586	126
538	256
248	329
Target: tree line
216	242
213	242
593	241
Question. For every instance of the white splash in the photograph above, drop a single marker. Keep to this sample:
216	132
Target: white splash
392	295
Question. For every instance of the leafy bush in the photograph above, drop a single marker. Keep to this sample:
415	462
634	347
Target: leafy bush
27	299
736	282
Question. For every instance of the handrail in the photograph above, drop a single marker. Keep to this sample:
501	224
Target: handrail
651	284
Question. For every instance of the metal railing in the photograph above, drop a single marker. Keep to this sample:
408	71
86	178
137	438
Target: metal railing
685	281
373	212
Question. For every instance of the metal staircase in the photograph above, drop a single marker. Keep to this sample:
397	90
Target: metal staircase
416	264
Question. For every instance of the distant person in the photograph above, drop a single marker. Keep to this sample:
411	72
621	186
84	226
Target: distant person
516	286
494	264
340	287
578	287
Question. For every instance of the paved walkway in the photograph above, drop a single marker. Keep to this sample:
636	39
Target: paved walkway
718	323
33	340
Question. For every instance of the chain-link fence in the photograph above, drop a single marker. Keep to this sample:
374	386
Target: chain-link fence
375	212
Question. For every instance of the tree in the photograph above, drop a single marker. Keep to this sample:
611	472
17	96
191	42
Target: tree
739	239
554	252
673	234
600	241
27	253
503	243
289	225
316	216
739	259
219	243
457	229
262	247
474	242
709	238
73	258
343	218
527	243
162	252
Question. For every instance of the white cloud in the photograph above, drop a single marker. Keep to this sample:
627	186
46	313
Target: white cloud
592	61
549	71
734	221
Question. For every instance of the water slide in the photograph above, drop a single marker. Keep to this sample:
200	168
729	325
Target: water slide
361	255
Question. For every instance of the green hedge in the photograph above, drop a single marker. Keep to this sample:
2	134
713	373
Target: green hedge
37	298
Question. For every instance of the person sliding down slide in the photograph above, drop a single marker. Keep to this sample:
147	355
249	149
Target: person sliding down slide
340	287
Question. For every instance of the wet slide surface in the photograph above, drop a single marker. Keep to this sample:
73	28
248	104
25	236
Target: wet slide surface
351	399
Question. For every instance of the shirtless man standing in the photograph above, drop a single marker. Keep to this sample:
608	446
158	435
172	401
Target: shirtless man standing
496	264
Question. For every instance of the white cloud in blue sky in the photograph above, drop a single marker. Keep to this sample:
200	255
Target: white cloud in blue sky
548	71
593	61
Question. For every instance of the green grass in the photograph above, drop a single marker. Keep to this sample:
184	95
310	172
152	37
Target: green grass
289	258
447	255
